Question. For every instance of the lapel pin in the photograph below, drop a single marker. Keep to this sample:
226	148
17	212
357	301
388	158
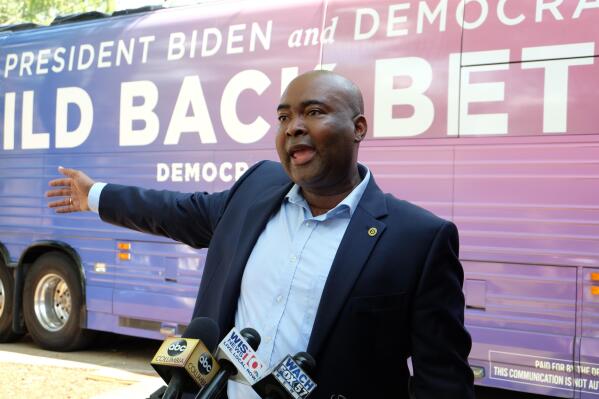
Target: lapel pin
372	231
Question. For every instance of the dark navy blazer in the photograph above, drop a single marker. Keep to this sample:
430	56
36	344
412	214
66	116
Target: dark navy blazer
394	289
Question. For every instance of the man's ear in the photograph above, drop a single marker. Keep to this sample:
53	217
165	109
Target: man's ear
360	128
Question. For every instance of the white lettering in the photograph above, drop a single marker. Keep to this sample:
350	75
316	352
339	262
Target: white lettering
234	37
9	121
555	100
504	19
386	97
552	6
393	20
31	140
42	60
162	172
237	130
424	10
460	14
145	41
82	63
195	171
58	58
147	90
177	172
124	52
27	59
375	19
104	53
191	94
79	97
257	33
584	5
223	171
10	63
218	40
328	34
482	124
176	46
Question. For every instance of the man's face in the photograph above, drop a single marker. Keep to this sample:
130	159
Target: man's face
317	138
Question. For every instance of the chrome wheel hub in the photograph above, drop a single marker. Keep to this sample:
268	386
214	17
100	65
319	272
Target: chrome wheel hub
52	302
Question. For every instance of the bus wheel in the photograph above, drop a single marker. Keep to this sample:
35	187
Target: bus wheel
52	301
7	286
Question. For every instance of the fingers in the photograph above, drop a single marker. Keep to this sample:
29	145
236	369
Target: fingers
62	206
67	172
69	187
61	182
64	192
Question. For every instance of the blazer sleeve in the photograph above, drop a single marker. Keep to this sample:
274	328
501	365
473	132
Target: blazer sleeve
440	343
190	218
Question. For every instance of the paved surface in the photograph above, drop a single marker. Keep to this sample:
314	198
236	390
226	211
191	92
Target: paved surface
114	367
109	350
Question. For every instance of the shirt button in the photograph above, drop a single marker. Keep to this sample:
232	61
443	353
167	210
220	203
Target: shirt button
279	298
268	339
308	224
292	259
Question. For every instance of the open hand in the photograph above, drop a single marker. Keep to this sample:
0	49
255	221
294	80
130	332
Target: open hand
75	187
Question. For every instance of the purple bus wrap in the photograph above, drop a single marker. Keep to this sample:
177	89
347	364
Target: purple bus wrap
483	111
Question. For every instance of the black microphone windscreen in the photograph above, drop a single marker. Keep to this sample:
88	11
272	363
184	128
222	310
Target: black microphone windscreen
252	337
204	329
305	361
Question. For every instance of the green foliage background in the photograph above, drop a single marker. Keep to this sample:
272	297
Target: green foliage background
43	11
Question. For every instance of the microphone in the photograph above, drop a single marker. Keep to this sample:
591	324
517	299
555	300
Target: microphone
289	379
238	361
186	362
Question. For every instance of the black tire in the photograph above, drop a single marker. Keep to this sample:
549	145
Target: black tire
7	289
55	323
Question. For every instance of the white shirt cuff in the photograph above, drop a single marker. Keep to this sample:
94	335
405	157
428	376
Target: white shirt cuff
93	197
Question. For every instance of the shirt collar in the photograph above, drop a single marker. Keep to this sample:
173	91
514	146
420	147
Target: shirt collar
349	203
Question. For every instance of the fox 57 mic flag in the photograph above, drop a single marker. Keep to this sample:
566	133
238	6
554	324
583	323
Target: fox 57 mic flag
288	375
236	349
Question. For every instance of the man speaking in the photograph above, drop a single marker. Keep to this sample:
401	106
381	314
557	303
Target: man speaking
357	278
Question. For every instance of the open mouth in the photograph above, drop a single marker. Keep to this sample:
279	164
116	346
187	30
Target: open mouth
301	154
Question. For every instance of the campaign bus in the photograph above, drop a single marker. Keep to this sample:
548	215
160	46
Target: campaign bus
485	112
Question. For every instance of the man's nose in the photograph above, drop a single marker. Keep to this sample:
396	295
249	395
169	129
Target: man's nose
296	127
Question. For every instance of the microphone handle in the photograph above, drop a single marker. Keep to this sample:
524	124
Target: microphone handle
173	390
216	386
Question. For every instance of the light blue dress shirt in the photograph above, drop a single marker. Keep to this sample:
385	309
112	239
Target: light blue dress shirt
285	274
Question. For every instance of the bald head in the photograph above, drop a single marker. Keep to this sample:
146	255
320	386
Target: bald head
348	89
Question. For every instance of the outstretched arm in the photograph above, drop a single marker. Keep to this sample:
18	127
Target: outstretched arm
188	218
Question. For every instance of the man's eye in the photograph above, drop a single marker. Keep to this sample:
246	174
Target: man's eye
314	112
282	118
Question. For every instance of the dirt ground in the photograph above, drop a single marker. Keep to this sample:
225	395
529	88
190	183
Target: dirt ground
115	367
42	382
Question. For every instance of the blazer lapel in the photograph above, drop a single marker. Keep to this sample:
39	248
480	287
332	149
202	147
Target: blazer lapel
254	222
355	247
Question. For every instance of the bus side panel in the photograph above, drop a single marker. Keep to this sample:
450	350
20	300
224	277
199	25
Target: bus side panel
522	322
588	369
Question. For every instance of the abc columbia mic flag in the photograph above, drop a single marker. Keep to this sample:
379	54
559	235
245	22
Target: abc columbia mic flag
189	354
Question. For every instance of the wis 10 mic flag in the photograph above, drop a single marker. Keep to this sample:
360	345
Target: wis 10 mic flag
238	362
